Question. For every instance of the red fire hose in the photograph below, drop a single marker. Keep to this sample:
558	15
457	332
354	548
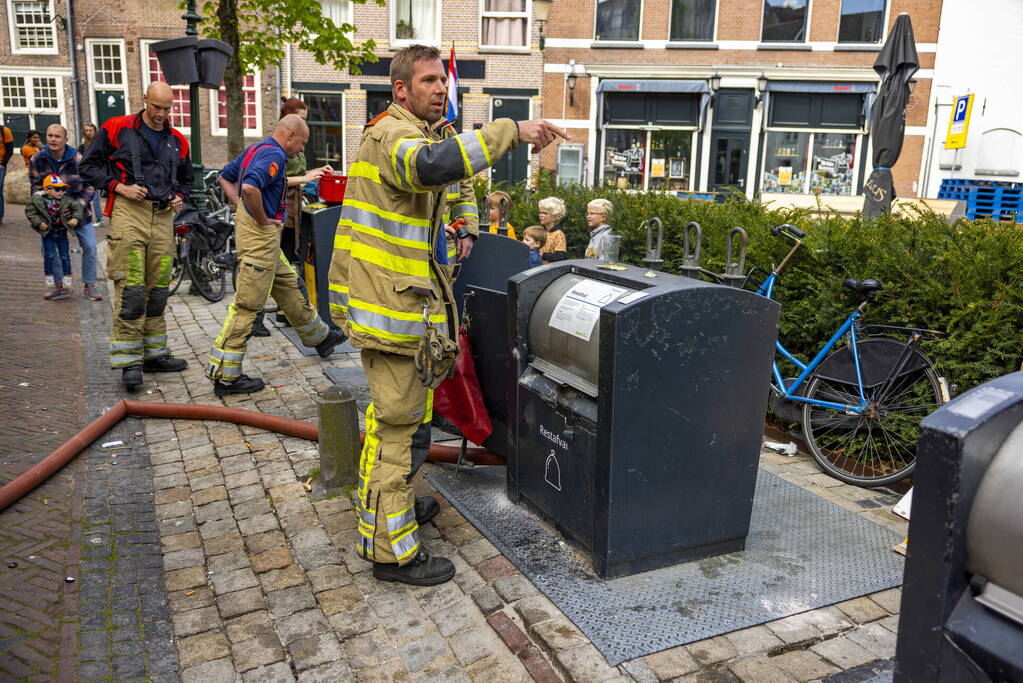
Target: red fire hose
14	490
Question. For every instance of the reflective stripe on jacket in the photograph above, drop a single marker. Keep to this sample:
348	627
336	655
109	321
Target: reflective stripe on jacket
395	208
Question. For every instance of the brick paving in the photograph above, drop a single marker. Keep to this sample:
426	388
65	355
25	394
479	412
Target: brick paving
259	579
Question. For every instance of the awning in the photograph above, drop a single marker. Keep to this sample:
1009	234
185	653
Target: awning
822	86
652	85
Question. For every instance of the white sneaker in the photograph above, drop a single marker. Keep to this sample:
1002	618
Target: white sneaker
67	282
49	282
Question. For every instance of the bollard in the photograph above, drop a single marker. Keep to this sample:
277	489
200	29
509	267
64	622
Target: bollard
339	440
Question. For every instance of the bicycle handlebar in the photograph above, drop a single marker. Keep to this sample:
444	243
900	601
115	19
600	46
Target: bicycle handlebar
790	230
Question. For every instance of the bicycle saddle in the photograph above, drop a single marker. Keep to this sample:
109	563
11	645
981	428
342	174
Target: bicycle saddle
865	288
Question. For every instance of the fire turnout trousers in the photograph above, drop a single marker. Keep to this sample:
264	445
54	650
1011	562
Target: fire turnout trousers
263	271
140	254
396	445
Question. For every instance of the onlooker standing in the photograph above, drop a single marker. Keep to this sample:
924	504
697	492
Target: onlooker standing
552	215
33	144
498	198
7	139
61	159
598	217
142	162
534	237
50	213
88	135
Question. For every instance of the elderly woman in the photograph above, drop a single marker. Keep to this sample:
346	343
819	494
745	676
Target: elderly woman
552	215
598	217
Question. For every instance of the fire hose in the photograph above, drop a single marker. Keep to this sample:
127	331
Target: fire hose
14	490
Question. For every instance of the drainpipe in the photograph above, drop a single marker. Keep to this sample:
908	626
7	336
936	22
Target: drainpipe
73	56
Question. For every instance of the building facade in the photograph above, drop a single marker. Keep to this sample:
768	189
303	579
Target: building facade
500	71
764	96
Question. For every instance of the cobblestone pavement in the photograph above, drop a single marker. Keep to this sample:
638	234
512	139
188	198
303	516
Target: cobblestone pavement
41	382
261	581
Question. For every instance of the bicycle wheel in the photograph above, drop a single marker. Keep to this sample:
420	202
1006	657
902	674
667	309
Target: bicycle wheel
877	447
208	276
178	269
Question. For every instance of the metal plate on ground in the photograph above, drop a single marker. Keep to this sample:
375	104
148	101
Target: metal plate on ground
802	552
292	336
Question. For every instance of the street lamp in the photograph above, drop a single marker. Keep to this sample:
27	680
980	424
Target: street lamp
715	83
571	79
761	88
541	10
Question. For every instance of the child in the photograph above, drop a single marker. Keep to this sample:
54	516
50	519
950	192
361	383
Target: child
534	237
499	199
50	213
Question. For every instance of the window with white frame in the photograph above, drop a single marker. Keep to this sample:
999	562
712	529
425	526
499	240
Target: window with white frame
13	92
181	107
415	21
107	64
618	19
30	103
784	21
45	93
250	108
692	19
570	164
505	23
862	21
32	27
338	11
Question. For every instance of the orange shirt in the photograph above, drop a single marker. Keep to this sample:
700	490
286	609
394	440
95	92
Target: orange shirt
556	241
511	230
27	152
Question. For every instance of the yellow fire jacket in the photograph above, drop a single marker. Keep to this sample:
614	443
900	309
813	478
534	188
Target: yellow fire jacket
406	183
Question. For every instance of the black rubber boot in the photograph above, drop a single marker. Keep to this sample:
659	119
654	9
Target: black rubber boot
424	570
164	364
427	508
131	377
326	347
259	329
243	385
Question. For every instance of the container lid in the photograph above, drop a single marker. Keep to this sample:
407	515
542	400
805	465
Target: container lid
173	44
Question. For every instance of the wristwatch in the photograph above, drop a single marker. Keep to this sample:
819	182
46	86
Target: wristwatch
463	232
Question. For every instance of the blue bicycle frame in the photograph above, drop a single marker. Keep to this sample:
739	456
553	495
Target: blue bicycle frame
806	369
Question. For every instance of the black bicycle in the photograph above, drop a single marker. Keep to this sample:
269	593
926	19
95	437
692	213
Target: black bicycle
206	253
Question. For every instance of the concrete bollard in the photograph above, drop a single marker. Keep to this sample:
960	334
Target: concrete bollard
339	440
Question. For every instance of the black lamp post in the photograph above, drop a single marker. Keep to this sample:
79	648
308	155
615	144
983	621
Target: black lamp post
198	188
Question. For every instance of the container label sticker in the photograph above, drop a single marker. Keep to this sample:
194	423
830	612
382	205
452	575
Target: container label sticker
635	296
980	401
579	309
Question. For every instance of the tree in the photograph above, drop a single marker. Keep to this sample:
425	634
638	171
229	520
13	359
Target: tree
260	31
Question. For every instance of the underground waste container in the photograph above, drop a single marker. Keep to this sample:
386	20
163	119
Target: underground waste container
962	597
639	410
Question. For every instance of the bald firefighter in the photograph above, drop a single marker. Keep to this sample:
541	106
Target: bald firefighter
141	163
255	184
390	290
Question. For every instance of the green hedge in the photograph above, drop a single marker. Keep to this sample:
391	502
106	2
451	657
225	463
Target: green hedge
966	278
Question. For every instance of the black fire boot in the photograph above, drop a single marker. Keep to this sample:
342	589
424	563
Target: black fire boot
131	377
427	508
326	347
424	570
164	364
259	329
243	385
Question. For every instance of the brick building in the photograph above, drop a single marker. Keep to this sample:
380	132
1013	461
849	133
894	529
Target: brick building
114	66
769	96
499	64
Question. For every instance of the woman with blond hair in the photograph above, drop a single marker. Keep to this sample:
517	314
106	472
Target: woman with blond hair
552	215
598	217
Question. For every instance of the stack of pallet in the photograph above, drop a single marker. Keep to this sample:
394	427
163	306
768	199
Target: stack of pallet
1000	201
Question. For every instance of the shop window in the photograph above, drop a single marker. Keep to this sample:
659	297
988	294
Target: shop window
625	158
833	164
415	21
648	160
250	108
377	103
784	21
670	153
181	108
570	164
862	21
505	23
326	129
618	19
692	19
790	168
32	26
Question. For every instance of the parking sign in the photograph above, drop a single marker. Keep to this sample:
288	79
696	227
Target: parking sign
959	123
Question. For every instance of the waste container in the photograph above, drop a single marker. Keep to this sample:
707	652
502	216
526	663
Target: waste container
639	410
962	599
316	249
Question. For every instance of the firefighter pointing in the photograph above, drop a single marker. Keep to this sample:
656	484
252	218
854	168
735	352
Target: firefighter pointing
390	290
257	176
141	163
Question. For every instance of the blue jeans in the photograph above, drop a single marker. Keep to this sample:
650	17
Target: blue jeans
87	239
55	255
3	173
97	209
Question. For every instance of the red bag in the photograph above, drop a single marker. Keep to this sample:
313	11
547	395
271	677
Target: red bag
459	398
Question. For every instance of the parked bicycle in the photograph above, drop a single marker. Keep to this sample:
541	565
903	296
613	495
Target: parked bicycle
205	253
861	402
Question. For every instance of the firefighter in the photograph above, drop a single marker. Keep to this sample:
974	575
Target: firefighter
390	290
258	178
140	162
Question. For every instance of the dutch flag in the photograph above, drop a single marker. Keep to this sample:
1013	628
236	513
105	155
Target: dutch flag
452	112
